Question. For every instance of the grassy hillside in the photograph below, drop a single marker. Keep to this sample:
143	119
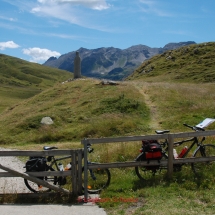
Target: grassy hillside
85	108
81	108
194	63
20	79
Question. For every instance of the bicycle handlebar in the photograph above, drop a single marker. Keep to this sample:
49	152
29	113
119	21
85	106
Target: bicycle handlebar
89	149
194	127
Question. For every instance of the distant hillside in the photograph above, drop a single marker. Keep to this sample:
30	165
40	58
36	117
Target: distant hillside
21	79
110	63
17	72
193	63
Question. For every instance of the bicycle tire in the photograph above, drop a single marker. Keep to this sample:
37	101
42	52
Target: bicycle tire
147	172
209	166
36	188
98	180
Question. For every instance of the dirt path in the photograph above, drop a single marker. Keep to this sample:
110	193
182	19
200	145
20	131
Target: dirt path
142	87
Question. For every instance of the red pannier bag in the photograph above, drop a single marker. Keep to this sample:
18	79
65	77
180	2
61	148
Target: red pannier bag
152	149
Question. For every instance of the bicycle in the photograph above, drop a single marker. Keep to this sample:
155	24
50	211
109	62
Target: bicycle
202	150
98	179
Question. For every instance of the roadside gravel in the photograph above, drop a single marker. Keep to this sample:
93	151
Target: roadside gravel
12	184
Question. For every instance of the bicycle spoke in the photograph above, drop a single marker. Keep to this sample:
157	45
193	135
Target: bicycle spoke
34	187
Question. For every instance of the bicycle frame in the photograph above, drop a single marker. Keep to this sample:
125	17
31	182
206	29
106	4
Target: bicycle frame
194	141
55	160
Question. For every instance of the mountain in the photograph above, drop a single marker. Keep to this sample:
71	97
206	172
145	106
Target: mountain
194	63
110	63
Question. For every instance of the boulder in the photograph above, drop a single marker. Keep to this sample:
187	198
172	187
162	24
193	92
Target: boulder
47	120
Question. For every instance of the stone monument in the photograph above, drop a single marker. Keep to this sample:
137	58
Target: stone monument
77	66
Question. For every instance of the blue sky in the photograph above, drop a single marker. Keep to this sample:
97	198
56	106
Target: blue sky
35	30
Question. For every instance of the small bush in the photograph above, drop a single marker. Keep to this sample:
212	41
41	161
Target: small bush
120	105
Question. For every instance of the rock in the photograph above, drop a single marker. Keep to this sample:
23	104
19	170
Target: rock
109	83
47	120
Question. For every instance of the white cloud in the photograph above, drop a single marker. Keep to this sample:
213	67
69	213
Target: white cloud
8	18
73	11
9	45
93	4
85	13
38	54
152	7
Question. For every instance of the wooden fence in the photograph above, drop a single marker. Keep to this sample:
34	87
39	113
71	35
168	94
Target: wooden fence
75	173
169	163
76	159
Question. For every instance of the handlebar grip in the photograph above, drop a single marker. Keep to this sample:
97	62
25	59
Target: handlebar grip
189	126
90	149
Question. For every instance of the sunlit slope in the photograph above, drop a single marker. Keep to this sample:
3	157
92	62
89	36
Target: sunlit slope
80	108
21	79
193	63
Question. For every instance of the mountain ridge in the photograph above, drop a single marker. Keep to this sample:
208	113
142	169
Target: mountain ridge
110	63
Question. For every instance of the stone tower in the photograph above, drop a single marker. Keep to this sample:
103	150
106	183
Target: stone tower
77	66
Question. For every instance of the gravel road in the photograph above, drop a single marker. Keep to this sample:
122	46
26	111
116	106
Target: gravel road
12	184
16	185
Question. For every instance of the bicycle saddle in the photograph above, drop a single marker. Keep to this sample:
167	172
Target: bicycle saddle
162	132
49	148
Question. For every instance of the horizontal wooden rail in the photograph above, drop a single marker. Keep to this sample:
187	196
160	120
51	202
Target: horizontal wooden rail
149	137
37	196
150	163
42	173
35	153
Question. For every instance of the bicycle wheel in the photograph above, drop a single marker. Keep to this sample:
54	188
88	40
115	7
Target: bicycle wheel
208	166
98	179
36	188
147	172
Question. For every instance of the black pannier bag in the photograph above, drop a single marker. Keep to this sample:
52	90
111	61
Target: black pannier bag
152	149
36	164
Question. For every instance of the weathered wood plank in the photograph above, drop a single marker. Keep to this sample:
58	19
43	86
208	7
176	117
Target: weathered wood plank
151	163
79	179
170	155
150	137
36	195
42	173
126	139
36	153
74	173
36	180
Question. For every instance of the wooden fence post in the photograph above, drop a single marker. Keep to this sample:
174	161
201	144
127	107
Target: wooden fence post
170	156
85	142
77	172
80	155
74	173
